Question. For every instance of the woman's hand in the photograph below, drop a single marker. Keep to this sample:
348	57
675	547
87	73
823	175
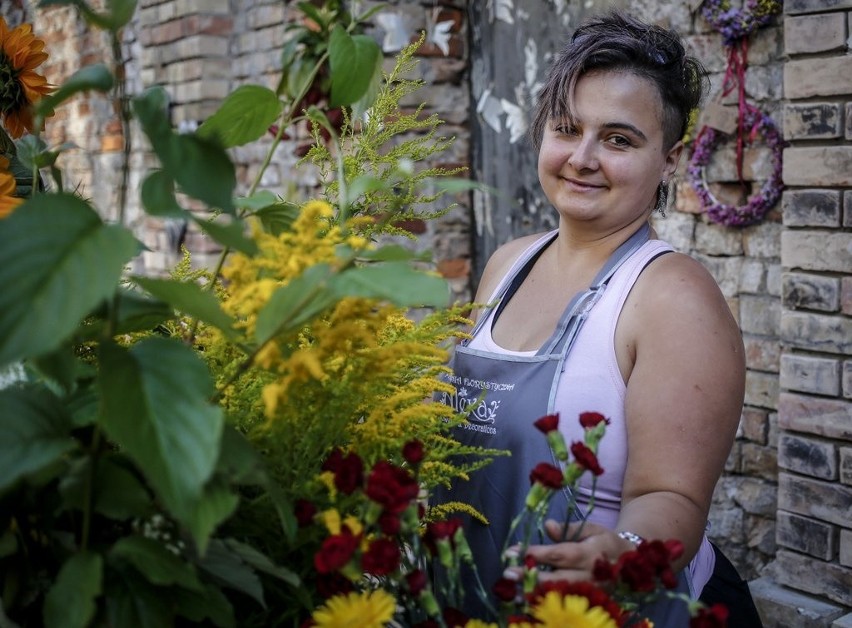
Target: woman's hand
574	560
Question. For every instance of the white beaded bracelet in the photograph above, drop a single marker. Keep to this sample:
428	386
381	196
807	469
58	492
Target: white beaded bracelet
631	536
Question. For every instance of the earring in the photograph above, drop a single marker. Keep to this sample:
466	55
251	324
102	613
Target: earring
662	198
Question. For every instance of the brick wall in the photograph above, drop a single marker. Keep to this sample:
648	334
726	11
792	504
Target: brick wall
783	510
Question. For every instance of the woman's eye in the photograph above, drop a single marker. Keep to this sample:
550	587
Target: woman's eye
565	129
620	140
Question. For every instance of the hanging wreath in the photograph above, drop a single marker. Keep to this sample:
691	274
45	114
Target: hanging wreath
758	203
737	24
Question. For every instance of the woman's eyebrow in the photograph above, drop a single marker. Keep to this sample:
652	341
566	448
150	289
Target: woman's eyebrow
624	126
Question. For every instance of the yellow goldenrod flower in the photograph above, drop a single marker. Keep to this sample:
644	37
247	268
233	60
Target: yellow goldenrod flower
8	201
370	609
555	610
21	86
330	518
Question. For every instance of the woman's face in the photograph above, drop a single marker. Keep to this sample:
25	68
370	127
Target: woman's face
604	168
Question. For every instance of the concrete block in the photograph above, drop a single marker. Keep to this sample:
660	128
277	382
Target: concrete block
781	607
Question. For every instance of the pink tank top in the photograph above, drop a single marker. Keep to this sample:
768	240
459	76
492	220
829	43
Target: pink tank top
591	382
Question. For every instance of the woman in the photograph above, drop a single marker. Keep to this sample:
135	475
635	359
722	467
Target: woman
653	346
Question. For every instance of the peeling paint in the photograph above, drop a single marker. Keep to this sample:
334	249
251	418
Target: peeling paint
516	120
490	109
501	10
396	36
439	32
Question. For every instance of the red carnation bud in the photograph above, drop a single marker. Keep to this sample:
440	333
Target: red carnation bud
586	458
416	581
547	475
505	589
412	451
547	423
591	419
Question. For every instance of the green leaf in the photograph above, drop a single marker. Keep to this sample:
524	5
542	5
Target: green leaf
191	299
353	60
28	152
364	184
70	603
395	253
374	86
227	568
278	218
259	199
244	116
200	167
58	368
155	401
83	406
158	195
229	231
238	459
396	282
209	604
117	492
93	77
132	601
299	301
156	563
217	503
262	562
136	312
58	261
35	429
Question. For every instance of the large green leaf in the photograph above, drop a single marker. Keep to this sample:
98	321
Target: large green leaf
70	603
200	166
155	403
217	503
156	563
229	570
116	492
118	12
135	312
35	429
93	77
227	230
58	260
262	562
244	116
158	195
396	282
131	601
353	60
209	604
279	217
299	301
191	299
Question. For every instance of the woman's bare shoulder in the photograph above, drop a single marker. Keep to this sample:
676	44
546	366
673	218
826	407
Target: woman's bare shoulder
500	262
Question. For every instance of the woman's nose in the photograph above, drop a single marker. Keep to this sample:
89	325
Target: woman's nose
584	154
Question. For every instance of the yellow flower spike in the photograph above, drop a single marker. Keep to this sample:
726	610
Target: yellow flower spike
268	355
354	525
555	610
327	478
369	609
330	518
271	397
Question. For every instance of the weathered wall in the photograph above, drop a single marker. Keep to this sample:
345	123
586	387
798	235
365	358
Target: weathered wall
783	510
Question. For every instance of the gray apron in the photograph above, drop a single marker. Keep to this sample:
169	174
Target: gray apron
503	395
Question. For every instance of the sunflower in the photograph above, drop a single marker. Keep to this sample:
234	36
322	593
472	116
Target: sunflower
20	86
8	202
370	609
554	610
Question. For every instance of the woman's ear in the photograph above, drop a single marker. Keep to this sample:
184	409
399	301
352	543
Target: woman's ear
672	160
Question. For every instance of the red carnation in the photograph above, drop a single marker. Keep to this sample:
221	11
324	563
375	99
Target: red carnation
348	470
412	451
389	523
547	475
505	589
391	486
586	458
603	571
454	617
381	558
416	581
304	511
714	617
547	423
591	419
335	551
438	530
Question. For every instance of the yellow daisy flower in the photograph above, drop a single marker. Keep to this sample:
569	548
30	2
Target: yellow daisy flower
8	201
555	611
370	609
21	86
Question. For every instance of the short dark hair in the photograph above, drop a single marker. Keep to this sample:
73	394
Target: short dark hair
621	43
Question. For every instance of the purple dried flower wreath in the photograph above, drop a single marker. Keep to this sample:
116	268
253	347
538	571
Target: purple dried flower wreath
736	24
757	204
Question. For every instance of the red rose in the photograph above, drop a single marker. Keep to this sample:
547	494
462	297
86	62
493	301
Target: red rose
381	558
547	475
304	512
586	458
547	423
714	617
348	470
412	451
335	552
591	419
391	486
505	589
416	581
